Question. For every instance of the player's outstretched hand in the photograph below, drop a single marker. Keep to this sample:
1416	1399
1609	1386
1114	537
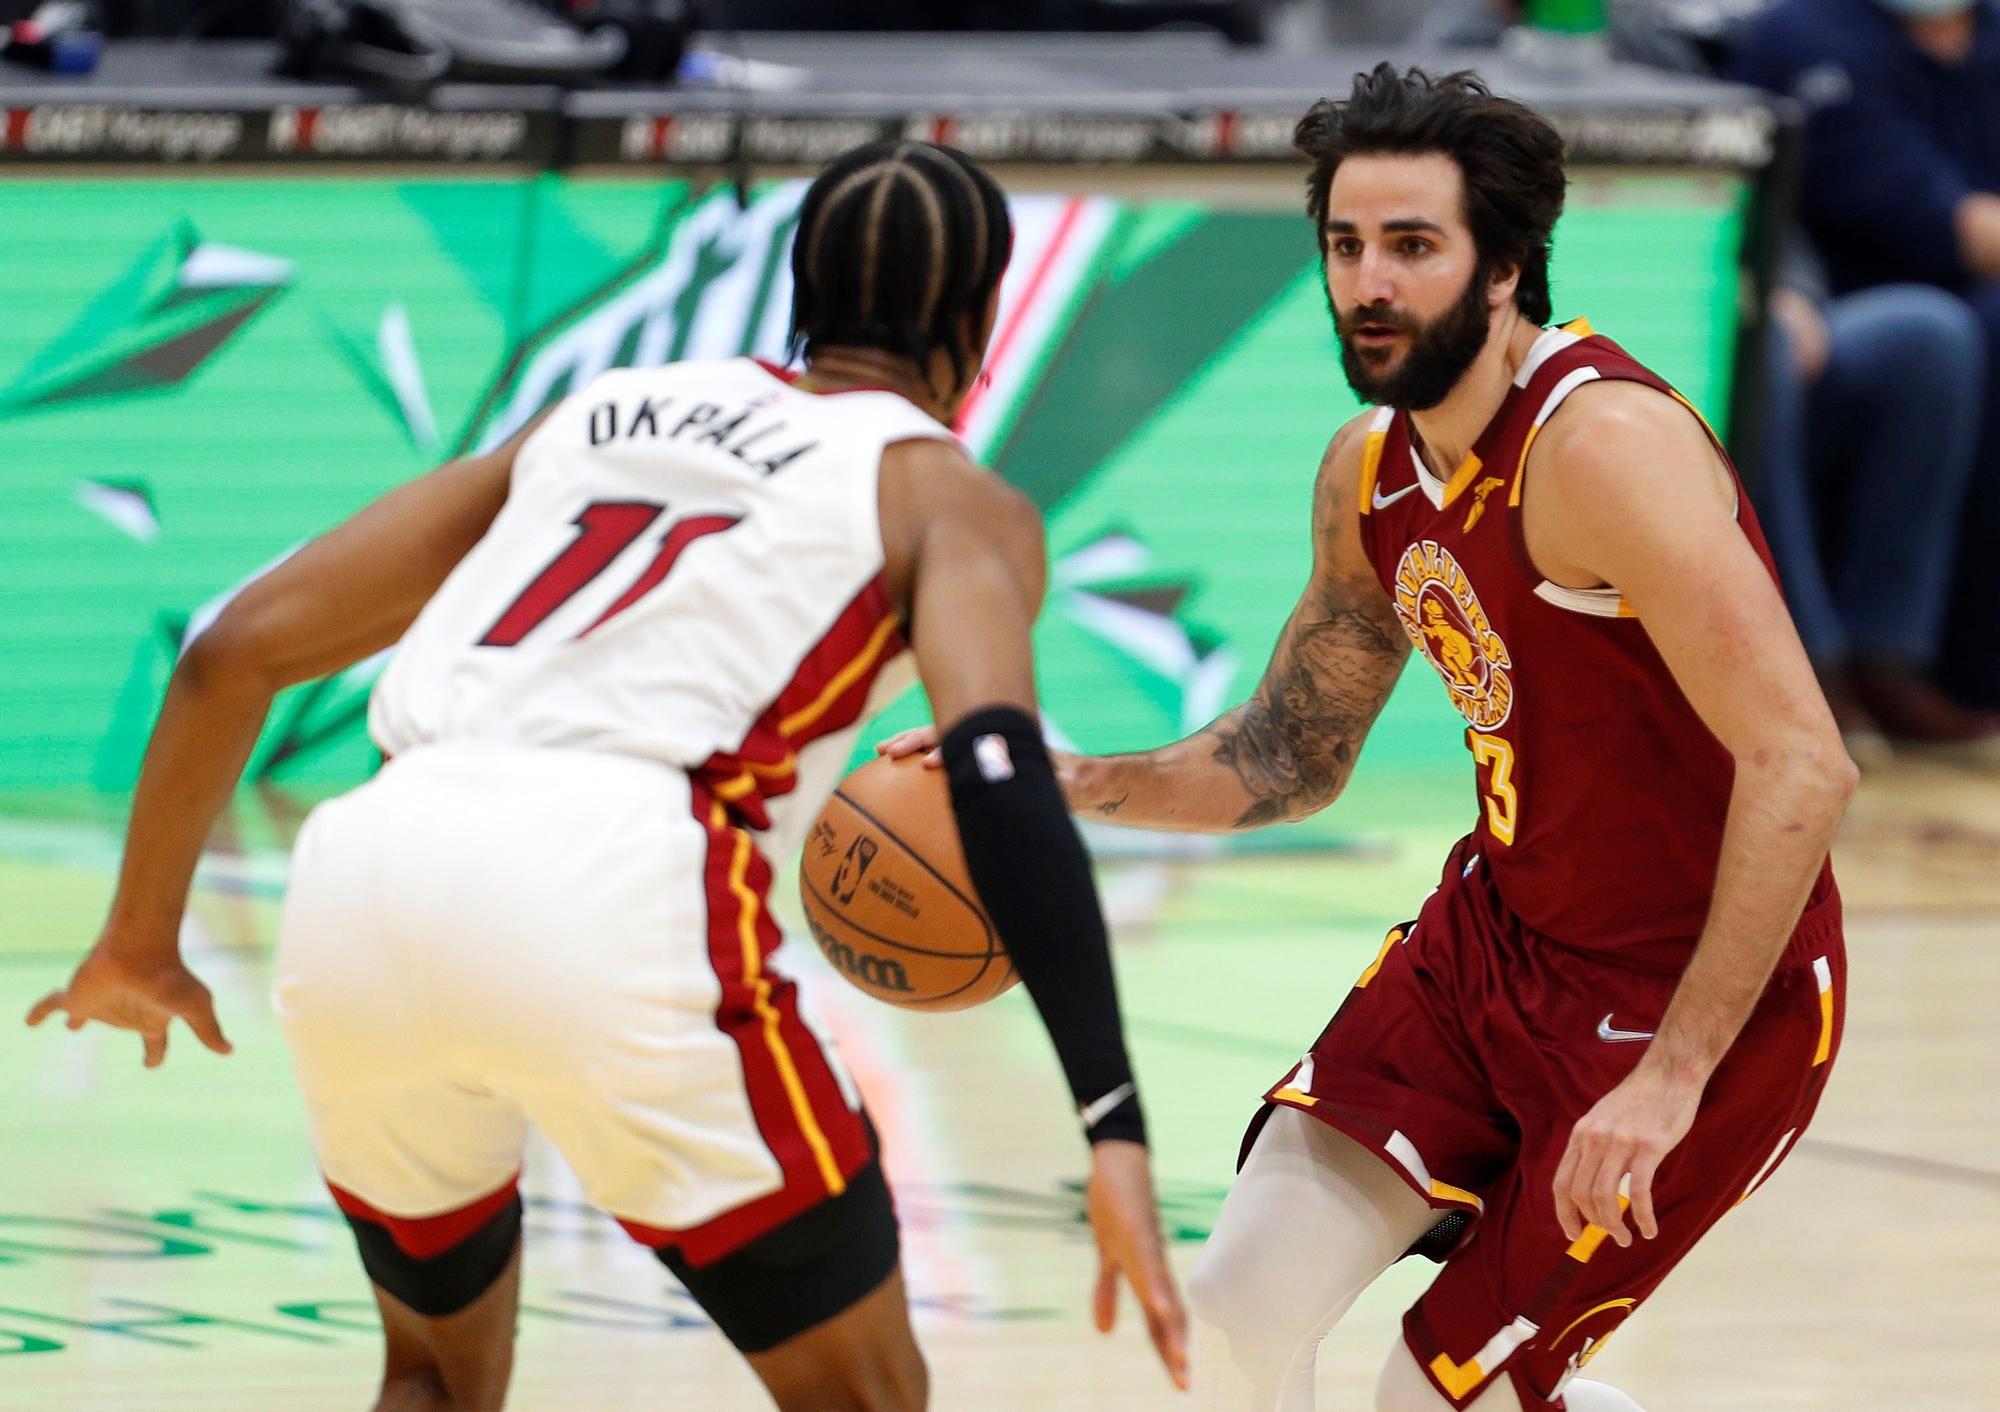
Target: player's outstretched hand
919	740
1629	1132
133	994
923	740
1126	1221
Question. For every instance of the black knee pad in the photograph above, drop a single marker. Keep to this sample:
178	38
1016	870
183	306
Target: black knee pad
813	1267
449	1281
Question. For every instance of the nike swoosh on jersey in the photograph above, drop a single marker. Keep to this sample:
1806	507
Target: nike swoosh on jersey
1382	500
1614	1036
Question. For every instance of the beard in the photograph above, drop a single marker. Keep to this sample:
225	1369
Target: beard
1439	351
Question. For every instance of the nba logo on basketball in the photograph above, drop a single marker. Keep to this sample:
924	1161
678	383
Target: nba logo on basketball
860	854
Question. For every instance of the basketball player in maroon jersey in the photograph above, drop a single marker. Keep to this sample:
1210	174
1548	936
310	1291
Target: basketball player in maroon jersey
1615	1014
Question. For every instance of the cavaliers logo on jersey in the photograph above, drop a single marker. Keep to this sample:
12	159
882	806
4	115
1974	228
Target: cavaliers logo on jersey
1441	613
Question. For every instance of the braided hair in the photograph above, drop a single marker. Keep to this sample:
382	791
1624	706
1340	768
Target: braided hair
900	245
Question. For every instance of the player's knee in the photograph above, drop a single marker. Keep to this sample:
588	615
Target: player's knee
1212	1290
1225	1292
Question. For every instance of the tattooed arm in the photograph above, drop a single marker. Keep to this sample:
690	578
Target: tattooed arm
1287	751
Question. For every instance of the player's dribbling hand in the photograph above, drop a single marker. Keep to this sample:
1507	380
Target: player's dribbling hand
1125	1219
1629	1131
923	740
918	740
130	994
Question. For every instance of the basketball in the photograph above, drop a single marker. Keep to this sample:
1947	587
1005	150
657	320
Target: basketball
887	896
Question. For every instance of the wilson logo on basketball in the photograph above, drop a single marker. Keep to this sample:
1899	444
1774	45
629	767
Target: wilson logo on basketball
875	972
1441	614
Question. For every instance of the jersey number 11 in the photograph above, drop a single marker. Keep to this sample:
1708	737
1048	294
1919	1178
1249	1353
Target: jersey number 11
605	529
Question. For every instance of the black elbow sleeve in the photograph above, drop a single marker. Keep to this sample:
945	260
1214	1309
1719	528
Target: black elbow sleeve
1033	876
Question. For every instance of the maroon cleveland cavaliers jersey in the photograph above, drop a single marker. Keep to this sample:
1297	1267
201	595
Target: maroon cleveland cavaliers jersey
1602	794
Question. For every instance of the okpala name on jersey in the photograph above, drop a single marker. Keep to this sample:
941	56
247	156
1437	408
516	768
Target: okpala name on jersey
761	442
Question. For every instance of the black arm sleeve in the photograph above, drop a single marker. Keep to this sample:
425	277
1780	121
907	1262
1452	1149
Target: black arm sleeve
1033	876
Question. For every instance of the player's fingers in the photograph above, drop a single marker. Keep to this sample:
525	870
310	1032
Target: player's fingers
1567	1215
1104	1303
200	1017
1166	1323
1604	1185
47	1006
1170	1342
1583	1190
156	1047
934	760
909	742
1641	1189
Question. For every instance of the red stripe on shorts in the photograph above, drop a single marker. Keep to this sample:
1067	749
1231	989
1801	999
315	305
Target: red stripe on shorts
816	1139
427	1237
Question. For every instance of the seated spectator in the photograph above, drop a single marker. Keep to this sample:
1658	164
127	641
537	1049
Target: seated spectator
1872	421
1902	183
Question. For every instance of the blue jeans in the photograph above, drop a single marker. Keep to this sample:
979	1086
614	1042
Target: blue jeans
1867	472
1971	663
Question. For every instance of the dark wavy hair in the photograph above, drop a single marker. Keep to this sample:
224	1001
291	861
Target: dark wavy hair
898	245
1511	159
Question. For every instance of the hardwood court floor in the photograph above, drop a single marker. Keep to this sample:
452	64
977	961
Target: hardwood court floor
165	1246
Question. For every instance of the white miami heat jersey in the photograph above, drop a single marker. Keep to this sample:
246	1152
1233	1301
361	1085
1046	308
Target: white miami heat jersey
688	569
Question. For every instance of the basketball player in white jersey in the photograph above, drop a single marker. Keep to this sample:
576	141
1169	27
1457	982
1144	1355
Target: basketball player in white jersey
636	644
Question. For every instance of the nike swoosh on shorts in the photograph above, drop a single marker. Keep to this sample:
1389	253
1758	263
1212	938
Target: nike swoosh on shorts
1613	1036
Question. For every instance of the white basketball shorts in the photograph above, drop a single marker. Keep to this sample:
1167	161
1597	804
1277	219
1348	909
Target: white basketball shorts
488	936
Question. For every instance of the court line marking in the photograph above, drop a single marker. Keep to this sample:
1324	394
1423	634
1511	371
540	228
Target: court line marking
1900	1163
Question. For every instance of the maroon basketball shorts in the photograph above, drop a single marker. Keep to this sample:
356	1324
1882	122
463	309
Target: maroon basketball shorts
1465	1055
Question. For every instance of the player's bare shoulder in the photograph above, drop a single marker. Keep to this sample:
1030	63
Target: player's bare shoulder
1616	464
931	491
1339	481
1340	564
1616	430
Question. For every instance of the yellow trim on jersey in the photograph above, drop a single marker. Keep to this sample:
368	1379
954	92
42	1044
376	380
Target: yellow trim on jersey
1294	1095
1586	1244
804	717
1823	972
1371	467
1520	467
1457	1379
1445	1191
1389	942
1671	392
753	973
1582	329
1607	1304
1467	471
